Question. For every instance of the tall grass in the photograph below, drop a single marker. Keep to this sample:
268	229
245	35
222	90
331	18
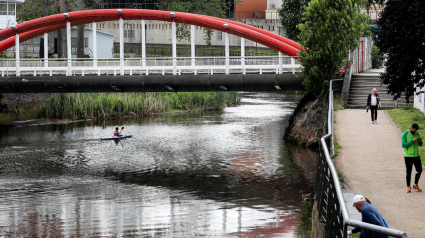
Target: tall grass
107	105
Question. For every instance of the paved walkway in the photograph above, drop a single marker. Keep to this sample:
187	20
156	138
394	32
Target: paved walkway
372	160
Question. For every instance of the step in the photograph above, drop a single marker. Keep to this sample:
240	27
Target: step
381	97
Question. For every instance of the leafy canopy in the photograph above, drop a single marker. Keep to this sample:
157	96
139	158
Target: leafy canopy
402	35
331	30
291	15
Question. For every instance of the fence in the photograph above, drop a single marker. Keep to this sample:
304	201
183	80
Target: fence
210	65
184	51
331	205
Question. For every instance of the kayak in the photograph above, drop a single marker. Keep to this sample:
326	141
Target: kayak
117	137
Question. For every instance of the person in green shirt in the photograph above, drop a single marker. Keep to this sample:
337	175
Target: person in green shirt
411	140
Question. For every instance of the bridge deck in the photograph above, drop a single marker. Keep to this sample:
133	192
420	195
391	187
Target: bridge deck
151	83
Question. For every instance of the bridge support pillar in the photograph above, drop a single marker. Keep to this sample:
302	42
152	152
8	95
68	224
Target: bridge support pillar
227	42
121	46
174	46
243	55
18	71
280	62
46	50
94	45
192	43
143	44
68	47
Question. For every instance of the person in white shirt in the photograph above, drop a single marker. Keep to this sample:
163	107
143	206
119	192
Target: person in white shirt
373	105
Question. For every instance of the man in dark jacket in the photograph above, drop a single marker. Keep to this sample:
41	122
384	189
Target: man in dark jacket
370	215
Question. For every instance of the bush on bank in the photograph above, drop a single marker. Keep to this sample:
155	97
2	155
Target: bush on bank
107	105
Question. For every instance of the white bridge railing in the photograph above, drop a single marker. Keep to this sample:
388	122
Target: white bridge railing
146	66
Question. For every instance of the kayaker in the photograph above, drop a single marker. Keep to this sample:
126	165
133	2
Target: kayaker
116	133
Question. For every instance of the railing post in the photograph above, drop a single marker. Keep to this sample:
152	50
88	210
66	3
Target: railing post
227	51
143	44
293	65
46	50
94	45
192	44
121	46
243	55
68	47
280	63
174	46
18	71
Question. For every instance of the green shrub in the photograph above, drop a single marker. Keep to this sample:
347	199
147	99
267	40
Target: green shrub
377	57
107	105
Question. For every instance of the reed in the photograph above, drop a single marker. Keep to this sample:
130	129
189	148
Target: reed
108	105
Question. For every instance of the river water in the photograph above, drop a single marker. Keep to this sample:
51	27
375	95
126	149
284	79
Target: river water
210	174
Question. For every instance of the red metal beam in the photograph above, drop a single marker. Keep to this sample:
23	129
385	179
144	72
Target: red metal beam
33	28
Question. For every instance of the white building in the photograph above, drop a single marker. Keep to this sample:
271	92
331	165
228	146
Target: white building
8	12
105	43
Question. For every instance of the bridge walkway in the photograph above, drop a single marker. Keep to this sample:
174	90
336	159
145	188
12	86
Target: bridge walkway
371	159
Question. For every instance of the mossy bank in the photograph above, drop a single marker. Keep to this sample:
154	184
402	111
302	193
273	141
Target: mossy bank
308	122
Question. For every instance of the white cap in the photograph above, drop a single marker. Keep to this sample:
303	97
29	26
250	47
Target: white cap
358	198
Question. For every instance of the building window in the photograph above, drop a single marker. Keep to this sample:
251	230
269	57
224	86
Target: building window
219	35
129	33
73	45
273	28
12	9
3	8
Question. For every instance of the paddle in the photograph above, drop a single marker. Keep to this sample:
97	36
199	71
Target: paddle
122	128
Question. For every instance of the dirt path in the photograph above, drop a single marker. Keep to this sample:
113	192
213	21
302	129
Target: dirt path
372	160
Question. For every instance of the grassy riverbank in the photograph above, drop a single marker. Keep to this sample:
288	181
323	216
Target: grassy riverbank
107	105
405	117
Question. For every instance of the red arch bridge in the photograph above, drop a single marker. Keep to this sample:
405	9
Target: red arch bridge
146	74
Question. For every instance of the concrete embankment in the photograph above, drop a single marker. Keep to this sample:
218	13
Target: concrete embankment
371	159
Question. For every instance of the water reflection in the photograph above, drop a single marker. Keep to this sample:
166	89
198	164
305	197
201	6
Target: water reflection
210	174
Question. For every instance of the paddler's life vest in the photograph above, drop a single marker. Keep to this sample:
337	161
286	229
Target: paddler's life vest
116	133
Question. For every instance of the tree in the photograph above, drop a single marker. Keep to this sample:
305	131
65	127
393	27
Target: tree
32	9
402	36
291	15
331	30
374	3
215	8
377	57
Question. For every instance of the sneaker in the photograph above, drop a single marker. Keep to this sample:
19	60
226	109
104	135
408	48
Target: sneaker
409	189
373	122
376	122
416	187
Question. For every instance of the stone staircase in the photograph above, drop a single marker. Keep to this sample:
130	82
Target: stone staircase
360	87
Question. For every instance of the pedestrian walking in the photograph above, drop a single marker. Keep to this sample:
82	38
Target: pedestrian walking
370	214
411	140
373	104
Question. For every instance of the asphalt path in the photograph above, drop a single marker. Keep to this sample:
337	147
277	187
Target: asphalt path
371	159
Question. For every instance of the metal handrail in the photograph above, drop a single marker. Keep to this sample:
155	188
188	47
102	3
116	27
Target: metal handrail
347	221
